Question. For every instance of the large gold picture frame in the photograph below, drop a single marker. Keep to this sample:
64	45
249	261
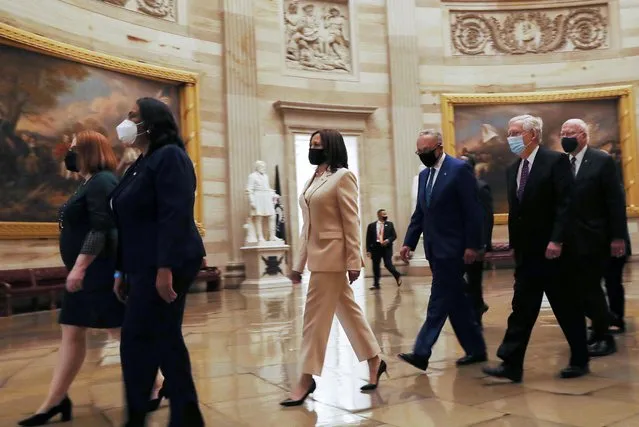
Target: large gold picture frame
189	119
466	122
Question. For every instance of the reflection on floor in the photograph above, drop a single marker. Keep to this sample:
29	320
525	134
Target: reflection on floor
244	348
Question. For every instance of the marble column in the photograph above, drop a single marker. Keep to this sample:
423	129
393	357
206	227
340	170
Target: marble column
242	121
406	106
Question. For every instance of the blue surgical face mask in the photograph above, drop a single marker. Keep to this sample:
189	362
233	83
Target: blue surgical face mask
516	144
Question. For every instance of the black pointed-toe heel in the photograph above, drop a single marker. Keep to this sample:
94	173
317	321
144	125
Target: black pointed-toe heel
64	408
154	404
291	402
382	369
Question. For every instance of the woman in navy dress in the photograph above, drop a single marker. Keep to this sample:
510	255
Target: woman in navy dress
88	249
160	253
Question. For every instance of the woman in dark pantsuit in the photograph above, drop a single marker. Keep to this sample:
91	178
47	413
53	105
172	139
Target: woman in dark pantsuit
159	254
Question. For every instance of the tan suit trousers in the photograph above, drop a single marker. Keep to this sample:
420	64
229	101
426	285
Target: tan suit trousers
329	294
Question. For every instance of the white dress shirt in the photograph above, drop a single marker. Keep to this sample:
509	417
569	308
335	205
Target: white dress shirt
436	169
579	158
531	159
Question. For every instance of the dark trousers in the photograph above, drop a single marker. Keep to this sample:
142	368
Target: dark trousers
386	254
474	278
587	272
448	299
532	280
151	339
613	280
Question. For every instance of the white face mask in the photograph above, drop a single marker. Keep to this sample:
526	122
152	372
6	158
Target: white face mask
127	132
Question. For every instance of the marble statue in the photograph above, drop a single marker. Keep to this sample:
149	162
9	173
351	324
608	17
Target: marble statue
262	200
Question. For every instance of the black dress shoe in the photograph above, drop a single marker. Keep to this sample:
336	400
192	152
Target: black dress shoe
64	408
291	402
504	371
399	281
617	326
374	288
602	347
154	404
415	360
471	359
572	371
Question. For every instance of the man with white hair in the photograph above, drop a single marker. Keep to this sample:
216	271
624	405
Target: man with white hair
598	227
539	188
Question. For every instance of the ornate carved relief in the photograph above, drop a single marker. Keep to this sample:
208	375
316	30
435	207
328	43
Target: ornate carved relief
164	9
529	31
318	36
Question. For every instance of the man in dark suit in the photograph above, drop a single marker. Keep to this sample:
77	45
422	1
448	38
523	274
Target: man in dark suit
613	275
380	236
539	188
475	271
598	228
449	215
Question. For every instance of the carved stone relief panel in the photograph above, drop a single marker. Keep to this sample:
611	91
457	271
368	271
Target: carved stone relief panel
535	31
164	9
318	36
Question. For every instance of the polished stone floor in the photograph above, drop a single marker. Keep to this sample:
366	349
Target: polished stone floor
244	348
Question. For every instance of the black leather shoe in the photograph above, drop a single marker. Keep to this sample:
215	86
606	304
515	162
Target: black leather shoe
574	371
504	371
290	402
374	288
471	359
602	348
64	408
420	363
617	326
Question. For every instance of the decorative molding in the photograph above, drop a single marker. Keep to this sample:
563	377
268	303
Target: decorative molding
306	116
529	31
318	37
162	9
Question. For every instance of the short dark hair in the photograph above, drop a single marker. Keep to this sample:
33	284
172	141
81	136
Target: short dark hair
160	124
470	160
380	211
334	147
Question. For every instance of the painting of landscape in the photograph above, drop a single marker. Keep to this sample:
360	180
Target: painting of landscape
481	130
44	102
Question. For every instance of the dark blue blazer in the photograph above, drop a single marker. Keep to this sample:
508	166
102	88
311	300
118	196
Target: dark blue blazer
453	221
153	210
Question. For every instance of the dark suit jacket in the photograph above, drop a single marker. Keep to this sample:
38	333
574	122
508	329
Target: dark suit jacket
543	214
371	236
453	221
153	208
486	201
598	205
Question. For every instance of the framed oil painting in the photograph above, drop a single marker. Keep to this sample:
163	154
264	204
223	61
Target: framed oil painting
49	91
477	124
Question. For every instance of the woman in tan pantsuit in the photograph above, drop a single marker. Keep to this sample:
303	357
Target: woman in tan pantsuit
330	243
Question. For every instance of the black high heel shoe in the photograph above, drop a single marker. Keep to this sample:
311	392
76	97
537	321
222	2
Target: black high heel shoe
382	369
64	408
291	402
154	404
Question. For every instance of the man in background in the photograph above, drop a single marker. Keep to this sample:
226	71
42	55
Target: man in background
380	236
597	230
475	271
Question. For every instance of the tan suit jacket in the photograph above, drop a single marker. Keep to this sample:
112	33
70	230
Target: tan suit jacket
330	239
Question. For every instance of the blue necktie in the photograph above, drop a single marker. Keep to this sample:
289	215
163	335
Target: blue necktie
429	185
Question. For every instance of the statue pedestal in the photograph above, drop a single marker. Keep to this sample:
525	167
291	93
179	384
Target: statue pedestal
266	265
418	264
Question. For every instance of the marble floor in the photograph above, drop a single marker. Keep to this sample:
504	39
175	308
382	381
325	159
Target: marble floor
244	349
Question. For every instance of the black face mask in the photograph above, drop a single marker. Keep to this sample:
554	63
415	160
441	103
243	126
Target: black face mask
316	156
429	158
569	144
71	161
384	218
